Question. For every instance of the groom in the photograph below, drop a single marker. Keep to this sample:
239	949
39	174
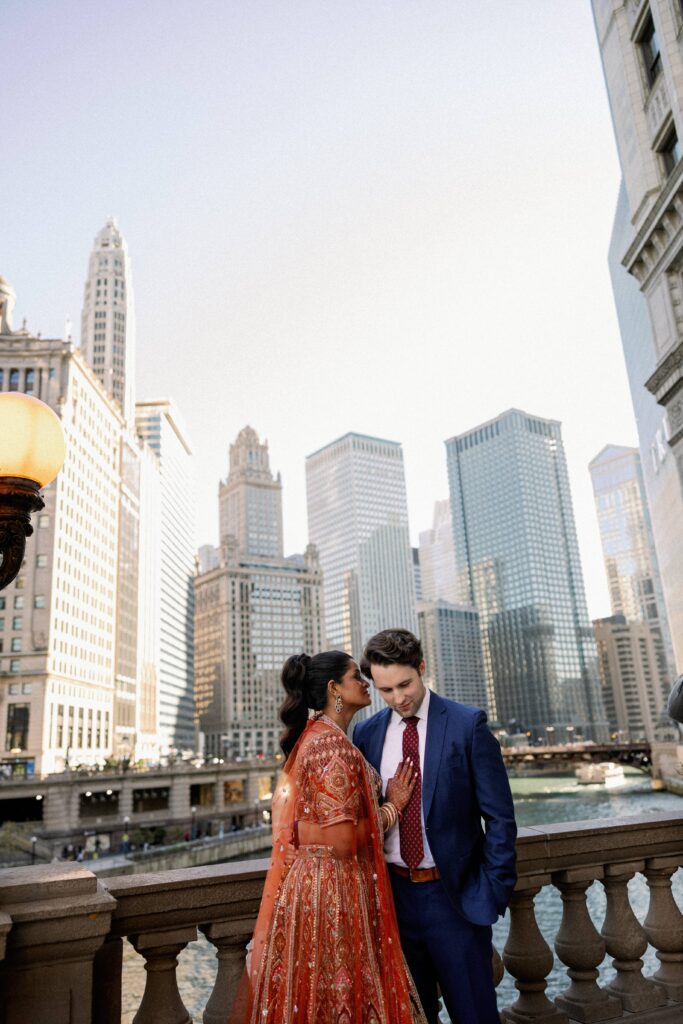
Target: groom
451	877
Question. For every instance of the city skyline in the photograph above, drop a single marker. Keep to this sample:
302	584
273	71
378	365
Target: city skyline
376	268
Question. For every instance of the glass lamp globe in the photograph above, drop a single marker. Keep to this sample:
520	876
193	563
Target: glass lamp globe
32	444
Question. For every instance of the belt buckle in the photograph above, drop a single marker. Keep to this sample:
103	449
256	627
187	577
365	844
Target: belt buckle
411	874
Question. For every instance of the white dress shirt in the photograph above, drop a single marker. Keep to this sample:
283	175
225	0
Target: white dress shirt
392	753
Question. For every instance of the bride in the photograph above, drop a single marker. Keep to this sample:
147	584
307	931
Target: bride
326	947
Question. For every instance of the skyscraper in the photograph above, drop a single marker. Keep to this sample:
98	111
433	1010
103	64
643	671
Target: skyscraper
250	500
160	427
451	641
518	563
108	317
58	618
254	608
358	521
643	68
627	545
437	557
630	655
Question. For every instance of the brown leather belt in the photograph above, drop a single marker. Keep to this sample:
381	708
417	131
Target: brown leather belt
416	874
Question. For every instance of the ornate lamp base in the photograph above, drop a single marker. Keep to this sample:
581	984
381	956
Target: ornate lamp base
18	499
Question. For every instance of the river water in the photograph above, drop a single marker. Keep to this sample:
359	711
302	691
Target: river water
538	801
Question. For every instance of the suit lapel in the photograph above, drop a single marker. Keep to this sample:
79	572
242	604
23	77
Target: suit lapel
436	730
375	741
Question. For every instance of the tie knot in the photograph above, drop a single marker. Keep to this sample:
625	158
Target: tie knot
413	720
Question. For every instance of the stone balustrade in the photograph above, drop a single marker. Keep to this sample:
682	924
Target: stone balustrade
62	932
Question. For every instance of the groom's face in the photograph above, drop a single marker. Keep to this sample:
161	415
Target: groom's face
401	687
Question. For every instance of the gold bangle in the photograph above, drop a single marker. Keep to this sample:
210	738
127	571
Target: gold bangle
389	815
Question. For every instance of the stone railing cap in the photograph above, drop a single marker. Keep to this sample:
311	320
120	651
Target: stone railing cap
45	881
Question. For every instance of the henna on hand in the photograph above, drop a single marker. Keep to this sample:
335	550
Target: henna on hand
400	787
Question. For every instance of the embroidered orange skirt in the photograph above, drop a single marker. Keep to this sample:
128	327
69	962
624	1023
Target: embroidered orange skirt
324	957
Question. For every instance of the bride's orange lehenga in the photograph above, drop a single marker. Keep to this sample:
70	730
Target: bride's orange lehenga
326	947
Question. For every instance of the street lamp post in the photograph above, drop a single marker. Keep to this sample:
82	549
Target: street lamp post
549	734
32	449
34	840
125	839
193	833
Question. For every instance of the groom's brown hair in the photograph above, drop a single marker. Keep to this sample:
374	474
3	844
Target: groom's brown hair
392	647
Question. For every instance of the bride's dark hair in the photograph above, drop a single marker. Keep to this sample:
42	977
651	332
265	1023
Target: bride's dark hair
305	680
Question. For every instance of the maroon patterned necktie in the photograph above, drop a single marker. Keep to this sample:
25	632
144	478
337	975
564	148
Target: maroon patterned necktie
410	826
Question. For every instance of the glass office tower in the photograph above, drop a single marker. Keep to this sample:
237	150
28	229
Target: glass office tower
518	563
358	520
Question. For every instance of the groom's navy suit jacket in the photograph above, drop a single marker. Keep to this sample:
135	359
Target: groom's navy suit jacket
464	781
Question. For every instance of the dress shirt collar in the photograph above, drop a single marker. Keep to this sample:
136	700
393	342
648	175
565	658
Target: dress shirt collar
422	713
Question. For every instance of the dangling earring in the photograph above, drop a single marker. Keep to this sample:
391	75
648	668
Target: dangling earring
339	705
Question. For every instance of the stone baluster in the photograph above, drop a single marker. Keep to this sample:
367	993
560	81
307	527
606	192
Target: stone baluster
582	949
230	939
528	958
497	967
626	942
161	1002
664	925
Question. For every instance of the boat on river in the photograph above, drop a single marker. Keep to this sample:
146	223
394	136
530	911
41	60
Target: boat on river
606	773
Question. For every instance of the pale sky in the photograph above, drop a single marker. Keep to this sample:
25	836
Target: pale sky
374	215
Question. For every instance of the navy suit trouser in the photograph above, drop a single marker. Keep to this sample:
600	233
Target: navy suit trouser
442	947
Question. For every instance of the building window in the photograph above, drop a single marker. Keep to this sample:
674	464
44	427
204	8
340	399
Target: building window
26	688
649	49
20	582
19	601
14	665
16	644
43	521
17	727
41	561
39	601
670	151
17	622
29	382
2	602
14	688
14	380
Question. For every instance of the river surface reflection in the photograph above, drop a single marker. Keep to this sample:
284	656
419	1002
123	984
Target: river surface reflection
538	801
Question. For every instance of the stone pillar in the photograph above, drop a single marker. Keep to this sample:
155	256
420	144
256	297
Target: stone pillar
219	792
60	916
5	925
161	1001
580	946
664	925
529	959
107	979
626	942
57	809
230	939
126	798
179	797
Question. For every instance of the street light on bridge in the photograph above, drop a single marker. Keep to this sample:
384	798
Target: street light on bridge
32	450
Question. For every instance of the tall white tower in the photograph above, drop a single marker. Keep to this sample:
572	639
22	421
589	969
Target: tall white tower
358	520
108	317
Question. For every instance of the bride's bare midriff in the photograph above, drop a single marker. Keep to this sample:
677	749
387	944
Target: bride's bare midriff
346	838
